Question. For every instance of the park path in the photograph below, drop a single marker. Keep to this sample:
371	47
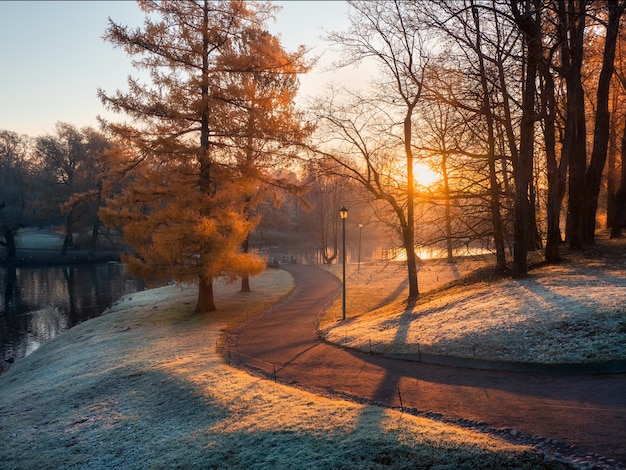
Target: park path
586	411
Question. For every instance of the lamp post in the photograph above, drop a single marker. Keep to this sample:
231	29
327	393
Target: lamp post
359	262
343	213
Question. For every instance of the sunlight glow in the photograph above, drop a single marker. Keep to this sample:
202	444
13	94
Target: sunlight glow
424	176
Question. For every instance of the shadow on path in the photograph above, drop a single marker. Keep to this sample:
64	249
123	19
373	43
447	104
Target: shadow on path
587	411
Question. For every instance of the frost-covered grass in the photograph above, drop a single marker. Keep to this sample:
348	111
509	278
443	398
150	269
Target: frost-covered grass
573	312
144	387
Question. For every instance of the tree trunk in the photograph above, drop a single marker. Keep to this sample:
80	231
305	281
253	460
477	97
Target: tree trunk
68	240
520	172
593	176
523	167
9	242
553	236
206	303
245	279
245	283
496	216
612	183
411	263
572	26
448	209
534	242
520	242
95	229
95	233
577	167
409	229
620	197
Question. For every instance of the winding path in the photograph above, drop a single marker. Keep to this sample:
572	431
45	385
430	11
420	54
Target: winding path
587	411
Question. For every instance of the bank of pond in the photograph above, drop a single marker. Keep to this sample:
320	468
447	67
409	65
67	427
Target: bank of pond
40	299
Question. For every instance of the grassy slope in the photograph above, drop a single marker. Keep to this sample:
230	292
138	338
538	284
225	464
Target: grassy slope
572	312
143	387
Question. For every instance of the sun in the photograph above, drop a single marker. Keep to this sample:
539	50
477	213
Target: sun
424	176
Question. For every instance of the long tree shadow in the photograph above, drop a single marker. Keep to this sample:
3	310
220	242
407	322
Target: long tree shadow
393	295
559	406
561	399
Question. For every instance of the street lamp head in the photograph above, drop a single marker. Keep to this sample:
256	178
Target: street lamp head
343	213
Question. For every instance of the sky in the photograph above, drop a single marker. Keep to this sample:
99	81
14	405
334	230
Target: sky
53	58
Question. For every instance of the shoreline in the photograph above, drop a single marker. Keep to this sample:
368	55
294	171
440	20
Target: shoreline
45	257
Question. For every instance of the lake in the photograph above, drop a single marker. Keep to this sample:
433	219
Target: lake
37	304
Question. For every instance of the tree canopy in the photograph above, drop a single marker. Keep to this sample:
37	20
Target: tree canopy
204	131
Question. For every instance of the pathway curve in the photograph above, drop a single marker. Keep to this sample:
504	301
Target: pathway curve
587	412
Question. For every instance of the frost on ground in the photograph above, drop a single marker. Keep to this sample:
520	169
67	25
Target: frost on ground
145	386
573	312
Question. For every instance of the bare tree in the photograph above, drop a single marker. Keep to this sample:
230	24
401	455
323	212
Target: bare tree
439	120
482	48
527	17
595	169
70	160
556	168
17	208
571	24
387	34
447	141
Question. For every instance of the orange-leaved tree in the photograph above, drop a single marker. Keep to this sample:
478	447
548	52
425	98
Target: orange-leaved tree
267	129
182	203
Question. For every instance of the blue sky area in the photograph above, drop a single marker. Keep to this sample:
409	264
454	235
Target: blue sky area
54	59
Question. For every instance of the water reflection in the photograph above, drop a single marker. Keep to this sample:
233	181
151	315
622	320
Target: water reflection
39	303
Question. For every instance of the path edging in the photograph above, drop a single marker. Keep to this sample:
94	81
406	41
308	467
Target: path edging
607	367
